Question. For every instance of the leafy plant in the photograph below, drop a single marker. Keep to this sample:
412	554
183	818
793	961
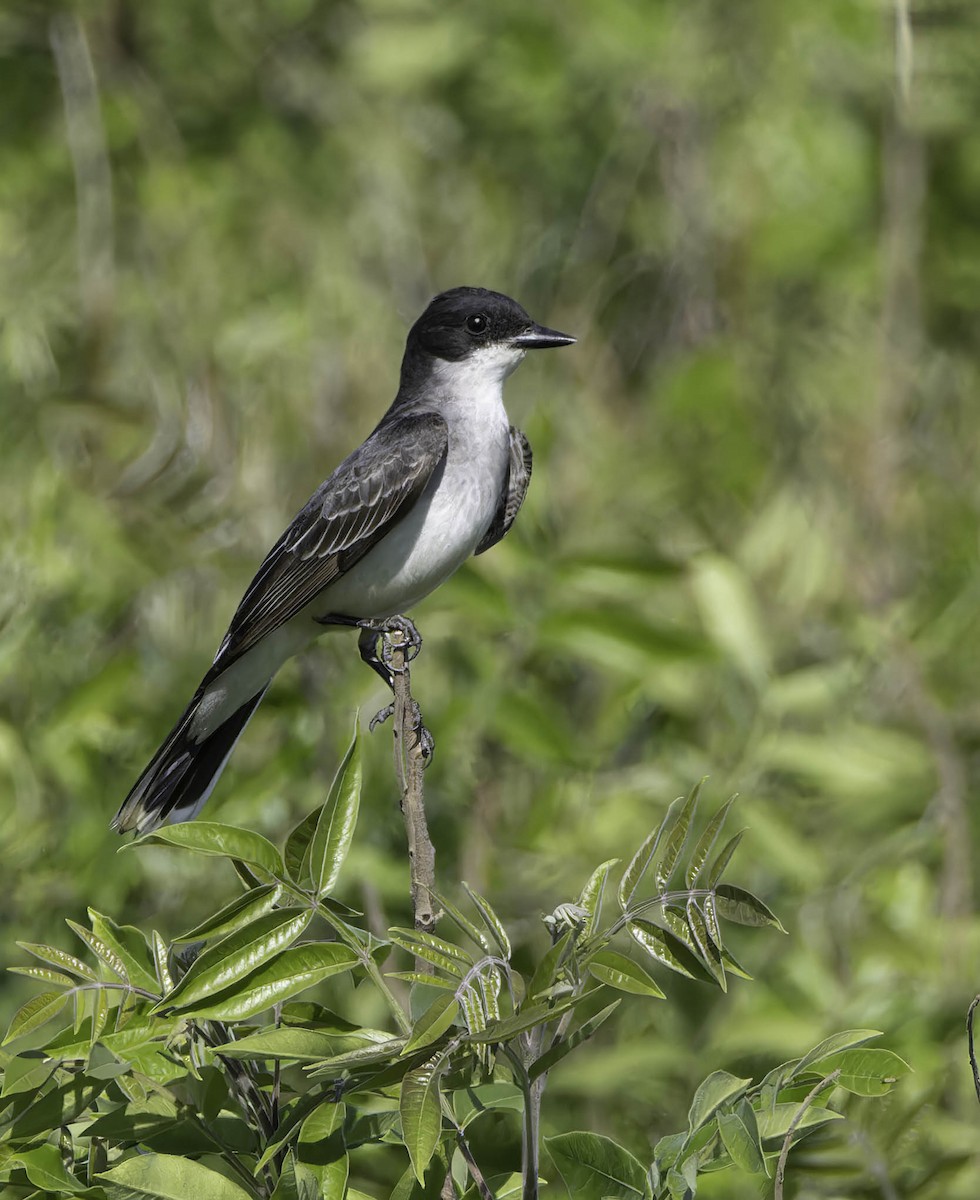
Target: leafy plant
194	1069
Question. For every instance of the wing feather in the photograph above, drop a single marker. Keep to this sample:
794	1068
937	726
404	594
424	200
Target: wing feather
513	492
348	514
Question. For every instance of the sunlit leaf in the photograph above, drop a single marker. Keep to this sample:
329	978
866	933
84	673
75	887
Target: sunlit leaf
618	971
217	841
61	959
676	839
236	956
433	1023
338	817
102	951
667	949
719	1088
845	1040
594	1167
236	913
167	1177
34	1013
741	1139
291	972
712	874
46	1170
492	921
592	894
867	1071
737	905
643	858
421	1115
706	843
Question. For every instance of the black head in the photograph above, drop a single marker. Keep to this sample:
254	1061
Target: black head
465	320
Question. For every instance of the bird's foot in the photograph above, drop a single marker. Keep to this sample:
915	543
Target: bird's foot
410	644
423	738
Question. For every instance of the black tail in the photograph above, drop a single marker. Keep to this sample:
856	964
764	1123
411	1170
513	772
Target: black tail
183	772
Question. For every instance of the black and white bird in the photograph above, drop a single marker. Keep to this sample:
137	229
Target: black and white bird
440	478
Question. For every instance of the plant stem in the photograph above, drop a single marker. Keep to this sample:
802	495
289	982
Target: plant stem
410	765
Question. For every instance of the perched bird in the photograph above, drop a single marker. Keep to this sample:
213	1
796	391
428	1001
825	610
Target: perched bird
440	478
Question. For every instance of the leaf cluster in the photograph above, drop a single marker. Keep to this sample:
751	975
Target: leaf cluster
192	1068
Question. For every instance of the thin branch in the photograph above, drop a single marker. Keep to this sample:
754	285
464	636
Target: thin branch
969	1039
788	1140
410	763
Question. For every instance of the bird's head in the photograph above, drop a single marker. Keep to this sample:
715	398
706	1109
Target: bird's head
474	324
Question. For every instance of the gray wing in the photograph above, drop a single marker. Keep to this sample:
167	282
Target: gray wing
513	493
349	513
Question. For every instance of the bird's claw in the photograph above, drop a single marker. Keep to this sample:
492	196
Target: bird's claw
380	717
423	738
410	646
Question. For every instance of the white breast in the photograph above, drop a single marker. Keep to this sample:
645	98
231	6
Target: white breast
456	509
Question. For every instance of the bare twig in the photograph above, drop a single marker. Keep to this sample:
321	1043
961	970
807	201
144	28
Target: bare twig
969	1040
788	1140
409	769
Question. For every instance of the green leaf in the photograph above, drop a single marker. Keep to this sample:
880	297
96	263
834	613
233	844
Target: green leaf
293	971
34	1013
706	946
167	1177
321	1148
165	980
546	973
717	868
355	1060
234	915
865	1072
296	1182
592	895
297	851
492	921
594	1167
570	1041
719	1088
668	949
130	946
741	907
676	840
101	951
706	843
433	1023
46	1170
237	956
44	975
621	972
641	860
337	819
421	1114
301	1045
472	1102
529	1016
60	959
774	1122
217	841
424	978
478	936
742	1142
846	1040
433	950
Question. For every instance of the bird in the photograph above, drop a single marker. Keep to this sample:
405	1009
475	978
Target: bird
441	477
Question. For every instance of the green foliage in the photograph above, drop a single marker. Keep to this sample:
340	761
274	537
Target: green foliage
750	544
195	1070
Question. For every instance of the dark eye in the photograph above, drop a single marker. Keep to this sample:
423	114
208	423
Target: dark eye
477	323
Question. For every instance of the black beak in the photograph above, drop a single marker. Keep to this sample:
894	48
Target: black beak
539	338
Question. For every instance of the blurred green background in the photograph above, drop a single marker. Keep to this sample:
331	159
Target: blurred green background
749	551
